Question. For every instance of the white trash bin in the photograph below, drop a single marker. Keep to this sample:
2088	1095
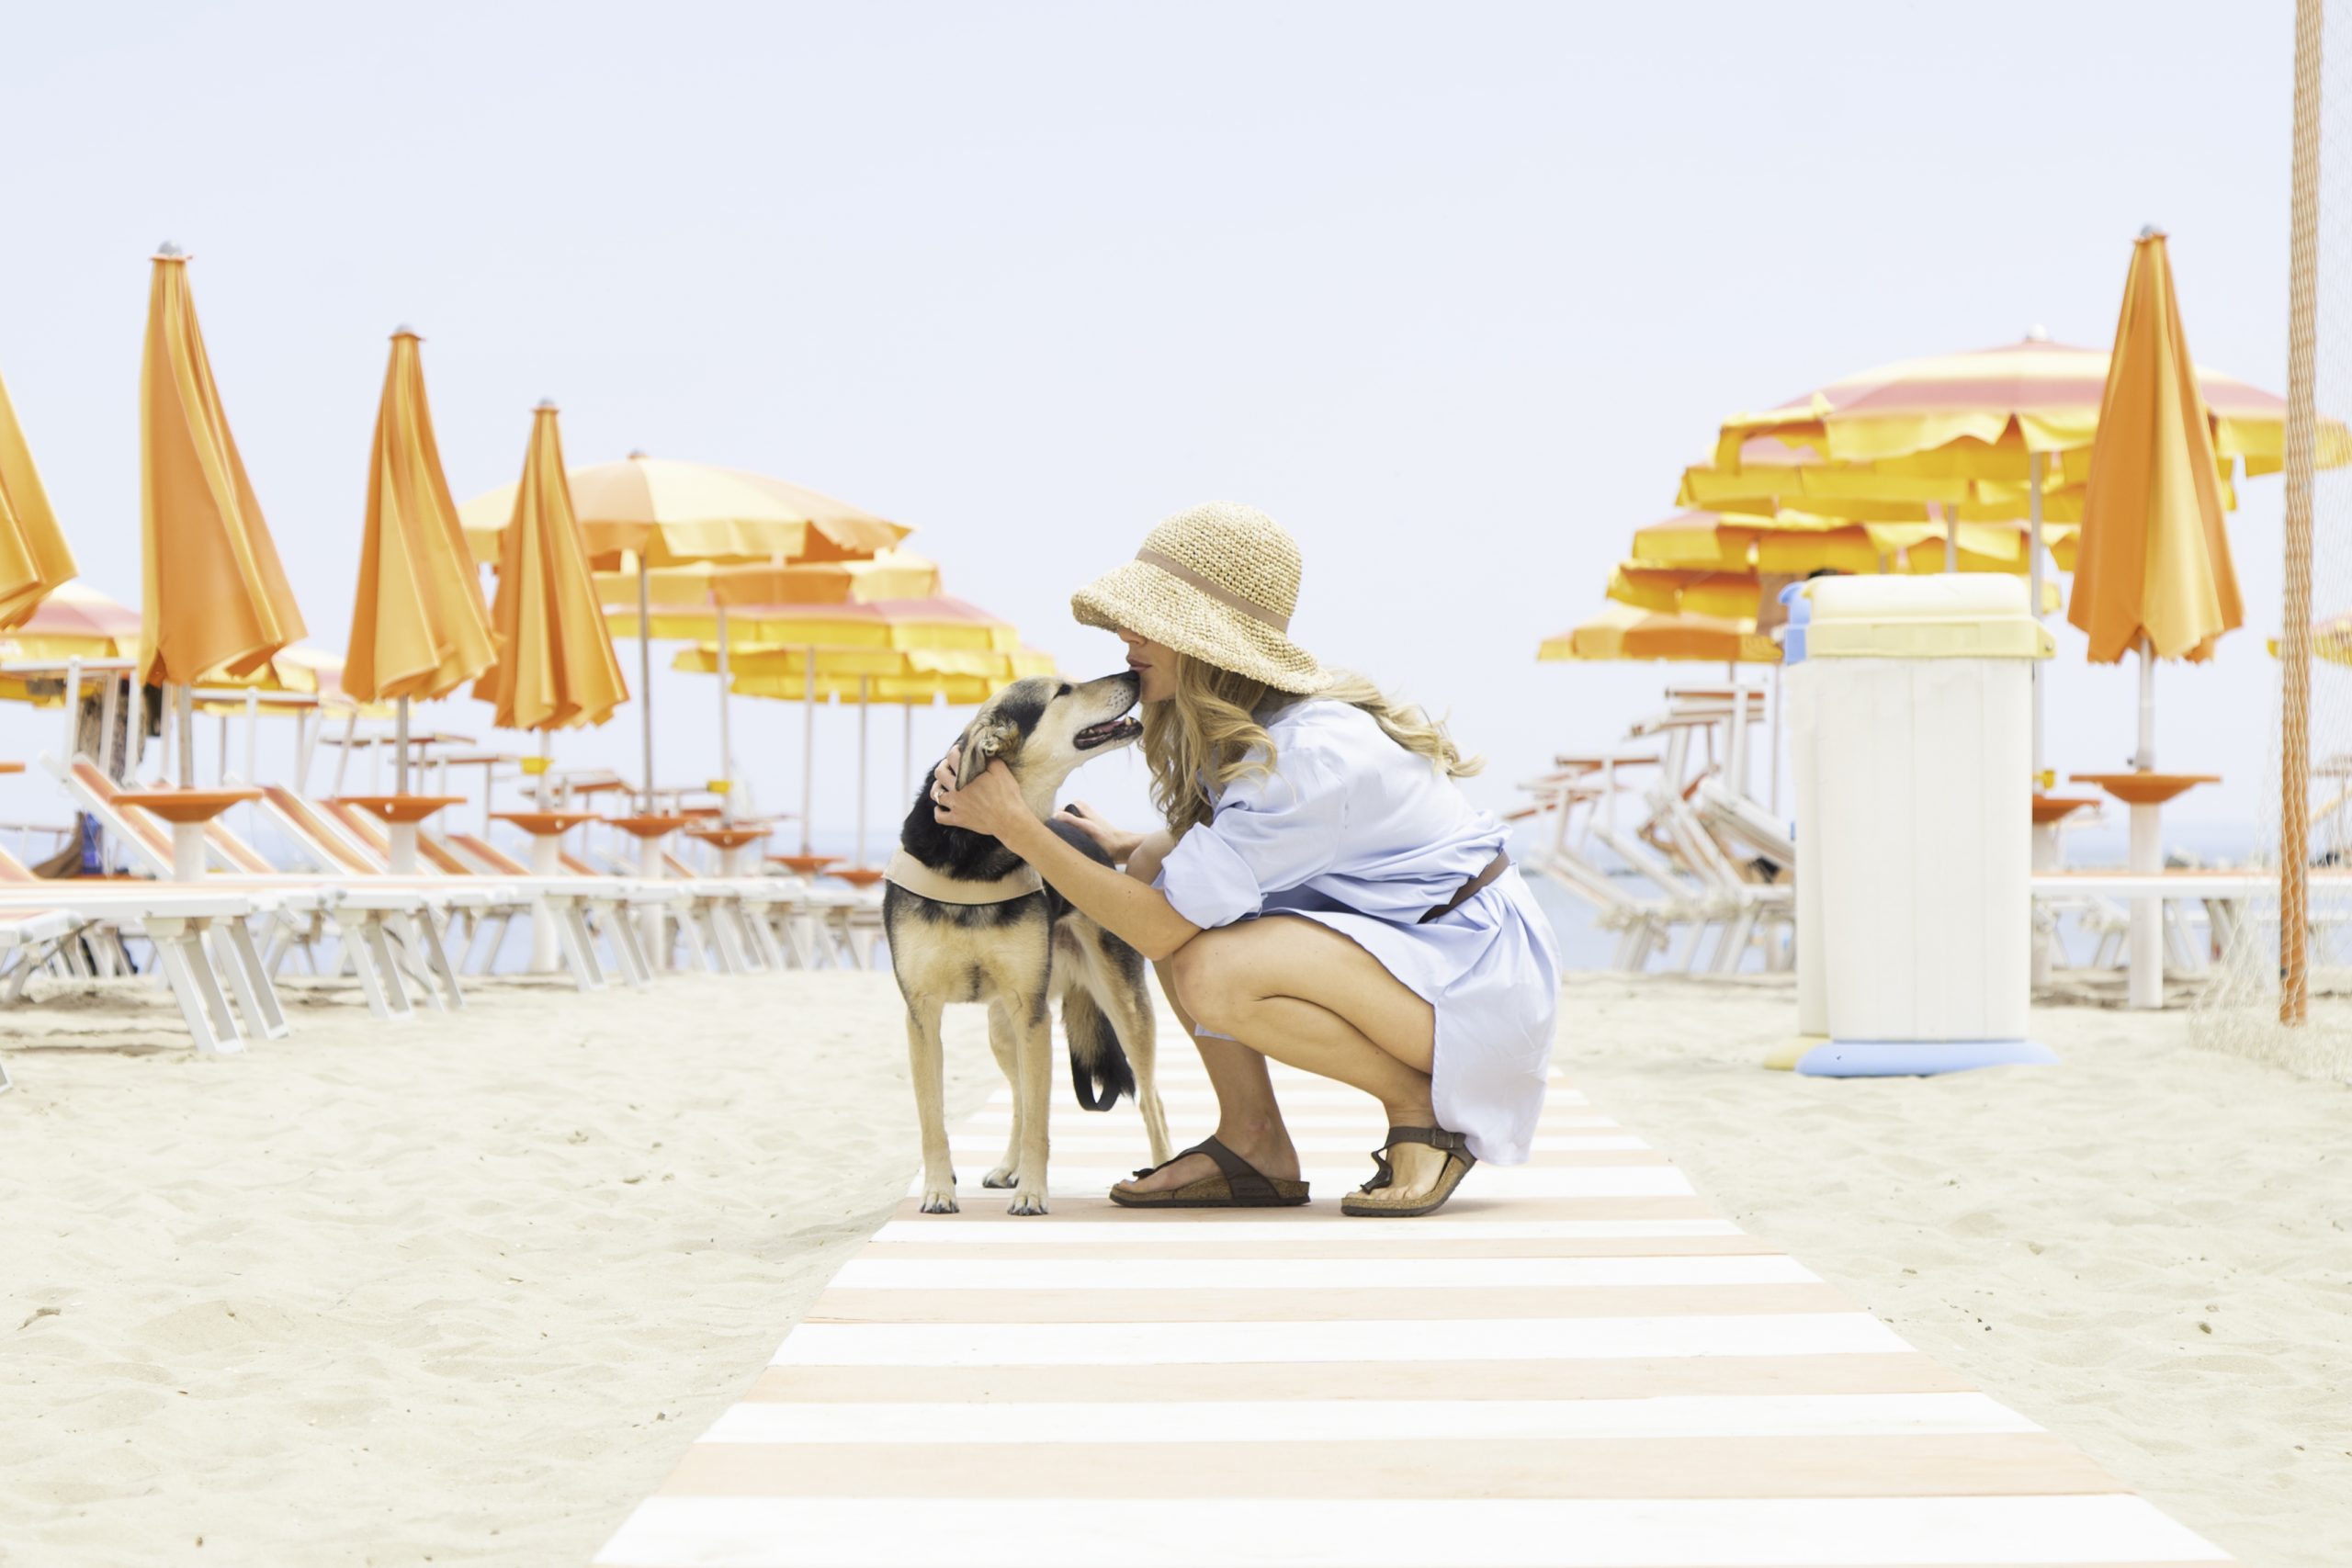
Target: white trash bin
1916	839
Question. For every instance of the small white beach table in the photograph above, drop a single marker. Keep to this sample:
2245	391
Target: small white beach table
1577	1364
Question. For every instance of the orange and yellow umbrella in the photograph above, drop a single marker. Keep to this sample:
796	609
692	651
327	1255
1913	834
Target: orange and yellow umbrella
217	601
2154	573
694	603
556	668
905	651
672	512
1623	632
75	621
419	627
34	559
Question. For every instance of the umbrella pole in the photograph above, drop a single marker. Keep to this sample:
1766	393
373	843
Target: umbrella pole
2033	587
1776	739
399	739
2144	760
808	744
907	757
861	705
343	757
645	668
109	703
1952	537
253	736
726	745
547	755
73	708
185	733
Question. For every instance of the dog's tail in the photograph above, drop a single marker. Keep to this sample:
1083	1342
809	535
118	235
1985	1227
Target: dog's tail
1098	1070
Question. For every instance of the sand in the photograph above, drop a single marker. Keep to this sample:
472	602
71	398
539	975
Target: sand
457	1291
463	1292
2147	1249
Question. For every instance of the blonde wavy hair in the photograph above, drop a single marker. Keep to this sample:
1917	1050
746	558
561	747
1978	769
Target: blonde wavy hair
1212	731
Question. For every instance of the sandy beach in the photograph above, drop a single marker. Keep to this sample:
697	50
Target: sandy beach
463	1292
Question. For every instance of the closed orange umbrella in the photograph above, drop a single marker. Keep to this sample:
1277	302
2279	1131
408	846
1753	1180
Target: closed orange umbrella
33	556
216	598
418	626
556	668
2153	570
2153	566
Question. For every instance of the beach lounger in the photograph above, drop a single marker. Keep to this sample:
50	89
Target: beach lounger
200	937
368	918
570	900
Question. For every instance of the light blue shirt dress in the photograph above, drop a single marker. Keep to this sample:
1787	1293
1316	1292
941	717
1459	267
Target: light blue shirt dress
1356	832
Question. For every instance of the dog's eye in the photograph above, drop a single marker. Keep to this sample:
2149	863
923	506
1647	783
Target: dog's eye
1066	690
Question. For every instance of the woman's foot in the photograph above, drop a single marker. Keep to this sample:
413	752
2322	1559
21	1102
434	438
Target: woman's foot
1265	1144
1416	1169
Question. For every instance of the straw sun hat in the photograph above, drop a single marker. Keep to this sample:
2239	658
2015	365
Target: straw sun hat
1216	583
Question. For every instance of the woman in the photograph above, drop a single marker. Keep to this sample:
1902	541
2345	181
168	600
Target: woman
1323	894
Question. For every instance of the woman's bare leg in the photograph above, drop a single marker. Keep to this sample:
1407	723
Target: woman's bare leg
1307	996
1249	1122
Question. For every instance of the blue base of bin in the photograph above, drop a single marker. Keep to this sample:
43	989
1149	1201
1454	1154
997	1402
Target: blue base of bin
1918	1058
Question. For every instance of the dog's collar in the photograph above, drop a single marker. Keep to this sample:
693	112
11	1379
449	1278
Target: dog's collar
918	878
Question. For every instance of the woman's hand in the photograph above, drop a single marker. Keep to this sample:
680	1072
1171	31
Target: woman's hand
1114	839
991	803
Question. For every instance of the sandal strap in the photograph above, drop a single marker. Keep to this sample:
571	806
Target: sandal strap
1242	1180
1435	1137
1453	1143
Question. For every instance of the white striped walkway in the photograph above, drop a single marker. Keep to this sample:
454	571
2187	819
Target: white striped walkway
1576	1365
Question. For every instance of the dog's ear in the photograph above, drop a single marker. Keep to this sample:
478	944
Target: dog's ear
986	740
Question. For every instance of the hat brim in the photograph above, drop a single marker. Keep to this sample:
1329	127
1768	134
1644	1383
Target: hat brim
1139	597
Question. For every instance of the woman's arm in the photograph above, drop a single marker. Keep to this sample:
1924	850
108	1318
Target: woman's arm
1139	914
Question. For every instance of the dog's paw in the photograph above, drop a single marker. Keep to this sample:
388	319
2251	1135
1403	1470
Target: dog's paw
1002	1175
939	1197
1028	1202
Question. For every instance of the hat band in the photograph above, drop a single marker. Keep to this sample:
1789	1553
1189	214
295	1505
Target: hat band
1216	590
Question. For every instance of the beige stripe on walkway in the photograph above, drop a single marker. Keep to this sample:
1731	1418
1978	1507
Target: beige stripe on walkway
1577	1364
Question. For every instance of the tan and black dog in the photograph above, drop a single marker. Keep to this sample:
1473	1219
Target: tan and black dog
969	921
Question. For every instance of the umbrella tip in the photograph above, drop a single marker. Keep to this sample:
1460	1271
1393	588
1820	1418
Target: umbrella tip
403	330
2037	333
547	405
639	454
169	250
2151	231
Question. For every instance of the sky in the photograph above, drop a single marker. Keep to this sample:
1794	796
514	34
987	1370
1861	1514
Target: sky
1453	292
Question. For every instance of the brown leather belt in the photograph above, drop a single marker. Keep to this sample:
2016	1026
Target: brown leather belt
1469	889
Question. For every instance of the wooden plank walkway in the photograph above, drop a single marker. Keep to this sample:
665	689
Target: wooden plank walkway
1577	1364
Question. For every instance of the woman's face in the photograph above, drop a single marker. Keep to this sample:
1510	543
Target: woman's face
1155	662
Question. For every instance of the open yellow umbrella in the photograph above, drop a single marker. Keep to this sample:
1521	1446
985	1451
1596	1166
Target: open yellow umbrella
556	668
654	511
216	598
34	559
75	621
909	650
1623	632
419	627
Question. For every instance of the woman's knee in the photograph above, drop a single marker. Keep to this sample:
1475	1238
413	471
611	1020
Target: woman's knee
1144	864
1203	978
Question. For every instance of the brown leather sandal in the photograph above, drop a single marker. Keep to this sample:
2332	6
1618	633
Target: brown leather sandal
1368	1199
1236	1185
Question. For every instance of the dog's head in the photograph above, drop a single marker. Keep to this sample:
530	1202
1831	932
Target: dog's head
1043	727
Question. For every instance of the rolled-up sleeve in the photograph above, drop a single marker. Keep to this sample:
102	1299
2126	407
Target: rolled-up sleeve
1270	834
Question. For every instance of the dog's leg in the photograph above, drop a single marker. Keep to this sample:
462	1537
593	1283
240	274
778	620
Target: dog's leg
1128	1006
1001	1042
927	1066
1033	1095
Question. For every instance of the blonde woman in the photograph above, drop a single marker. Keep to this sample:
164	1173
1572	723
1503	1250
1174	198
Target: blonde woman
1323	895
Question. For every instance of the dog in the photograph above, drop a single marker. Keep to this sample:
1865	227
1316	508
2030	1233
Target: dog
978	925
